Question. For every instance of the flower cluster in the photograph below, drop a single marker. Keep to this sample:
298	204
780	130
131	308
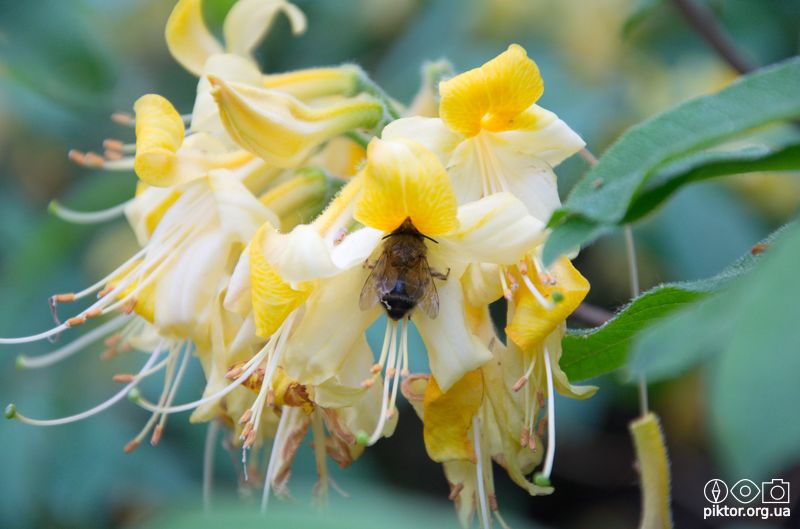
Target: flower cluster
291	211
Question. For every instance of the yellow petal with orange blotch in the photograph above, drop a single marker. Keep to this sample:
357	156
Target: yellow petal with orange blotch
532	322
493	96
403	180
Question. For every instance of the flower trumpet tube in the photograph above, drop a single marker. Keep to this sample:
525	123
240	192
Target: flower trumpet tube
283	130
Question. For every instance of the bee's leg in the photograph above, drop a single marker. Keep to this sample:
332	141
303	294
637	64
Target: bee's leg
440	275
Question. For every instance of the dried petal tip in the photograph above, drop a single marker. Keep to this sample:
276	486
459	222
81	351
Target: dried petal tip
134	395
541	480
11	411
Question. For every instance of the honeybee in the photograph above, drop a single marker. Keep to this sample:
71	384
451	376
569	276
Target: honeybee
401	278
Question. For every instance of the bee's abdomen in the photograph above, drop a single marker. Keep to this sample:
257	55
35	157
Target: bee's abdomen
397	302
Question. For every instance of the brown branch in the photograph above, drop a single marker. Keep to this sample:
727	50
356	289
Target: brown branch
594	316
704	22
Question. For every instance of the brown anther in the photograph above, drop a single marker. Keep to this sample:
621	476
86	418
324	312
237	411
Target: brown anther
524	438
523	268
246	416
540	398
390	413
492	502
404	372
105	291
94	313
129	306
108	354
131	446
455	490
113	155
508	294
270	398
158	431
76	157
532	442
759	248
547	278
234	373
122	378
376	369
77	320
390	372
248	428
123	118
113	145
542	427
519	384
64	298
111	341
366	384
92	159
251	440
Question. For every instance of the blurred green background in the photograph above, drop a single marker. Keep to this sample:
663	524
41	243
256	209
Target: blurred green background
66	65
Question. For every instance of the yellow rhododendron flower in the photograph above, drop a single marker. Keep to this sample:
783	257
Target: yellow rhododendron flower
493	137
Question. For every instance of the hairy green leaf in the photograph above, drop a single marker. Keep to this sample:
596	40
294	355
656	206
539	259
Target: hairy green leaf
617	188
750	337
595	352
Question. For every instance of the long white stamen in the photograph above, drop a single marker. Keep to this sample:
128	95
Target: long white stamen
35	362
277	447
100	407
136	441
102	304
175	384
398	368
535	291
252	364
88	217
551	418
208	462
376	434
484	508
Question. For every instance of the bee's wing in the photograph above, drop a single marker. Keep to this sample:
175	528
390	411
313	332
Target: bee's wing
380	281
419	283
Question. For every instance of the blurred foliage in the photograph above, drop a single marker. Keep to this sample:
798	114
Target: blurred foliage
66	65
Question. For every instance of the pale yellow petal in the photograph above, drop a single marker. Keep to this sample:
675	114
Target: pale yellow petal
249	21
495	229
188	38
282	129
452	349
403	180
448	417
273	298
492	96
312	83
159	135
